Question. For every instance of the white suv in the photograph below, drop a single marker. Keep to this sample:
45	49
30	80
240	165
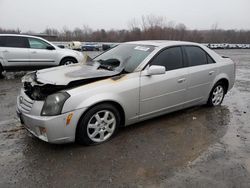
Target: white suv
23	52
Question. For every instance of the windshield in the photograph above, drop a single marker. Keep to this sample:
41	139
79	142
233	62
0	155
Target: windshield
125	57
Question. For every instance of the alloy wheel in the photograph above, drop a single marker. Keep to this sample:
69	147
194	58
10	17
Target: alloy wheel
101	126
218	94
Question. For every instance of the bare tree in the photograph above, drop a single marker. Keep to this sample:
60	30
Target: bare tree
148	28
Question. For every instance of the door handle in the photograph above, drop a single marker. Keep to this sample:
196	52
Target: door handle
33	52
5	51
181	80
211	72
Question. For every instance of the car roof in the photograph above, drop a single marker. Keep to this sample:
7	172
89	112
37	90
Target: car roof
20	35
162	43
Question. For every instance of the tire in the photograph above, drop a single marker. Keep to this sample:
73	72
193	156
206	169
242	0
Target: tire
98	125
216	95
68	61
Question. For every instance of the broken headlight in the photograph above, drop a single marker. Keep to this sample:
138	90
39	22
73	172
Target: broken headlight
54	103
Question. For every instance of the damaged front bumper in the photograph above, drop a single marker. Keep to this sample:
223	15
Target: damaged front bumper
52	129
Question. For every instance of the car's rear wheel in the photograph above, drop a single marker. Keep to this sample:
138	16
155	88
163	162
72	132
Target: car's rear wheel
98	125
68	61
217	95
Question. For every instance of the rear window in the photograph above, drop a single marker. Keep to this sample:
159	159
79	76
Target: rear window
196	56
14	42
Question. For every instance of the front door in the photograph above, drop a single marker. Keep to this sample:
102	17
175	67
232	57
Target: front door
40	55
166	92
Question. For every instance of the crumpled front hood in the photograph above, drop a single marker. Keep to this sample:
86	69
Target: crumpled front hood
63	75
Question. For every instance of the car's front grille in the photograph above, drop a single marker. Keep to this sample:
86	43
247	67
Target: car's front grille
25	103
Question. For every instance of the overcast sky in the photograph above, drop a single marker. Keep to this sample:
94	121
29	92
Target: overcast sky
37	15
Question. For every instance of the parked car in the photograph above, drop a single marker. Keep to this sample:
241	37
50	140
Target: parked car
75	45
91	47
24	52
132	82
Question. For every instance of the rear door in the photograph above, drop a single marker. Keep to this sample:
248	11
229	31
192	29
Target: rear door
166	92
41	53
15	53
201	73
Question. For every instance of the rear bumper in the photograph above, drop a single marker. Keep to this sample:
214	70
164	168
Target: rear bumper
52	129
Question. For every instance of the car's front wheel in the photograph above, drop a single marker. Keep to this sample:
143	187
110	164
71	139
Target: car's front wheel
98	125
217	94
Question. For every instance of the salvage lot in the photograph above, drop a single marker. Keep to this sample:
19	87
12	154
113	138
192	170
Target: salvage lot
195	147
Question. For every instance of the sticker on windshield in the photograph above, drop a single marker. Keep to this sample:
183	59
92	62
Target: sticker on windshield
142	48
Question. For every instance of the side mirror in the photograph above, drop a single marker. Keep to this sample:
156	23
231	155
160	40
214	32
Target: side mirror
50	48
156	69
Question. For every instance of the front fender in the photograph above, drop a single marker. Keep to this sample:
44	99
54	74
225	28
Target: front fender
74	54
128	103
123	90
98	98
92	101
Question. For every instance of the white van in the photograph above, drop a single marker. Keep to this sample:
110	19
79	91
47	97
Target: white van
24	52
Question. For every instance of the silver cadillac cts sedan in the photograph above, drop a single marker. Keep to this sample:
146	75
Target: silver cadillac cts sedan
87	102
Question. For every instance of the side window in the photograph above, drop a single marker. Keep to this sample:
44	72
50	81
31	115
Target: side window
14	42
37	44
171	58
196	56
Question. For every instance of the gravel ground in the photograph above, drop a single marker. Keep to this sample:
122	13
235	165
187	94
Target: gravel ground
196	147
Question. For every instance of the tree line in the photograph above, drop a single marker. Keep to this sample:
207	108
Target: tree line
147	28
